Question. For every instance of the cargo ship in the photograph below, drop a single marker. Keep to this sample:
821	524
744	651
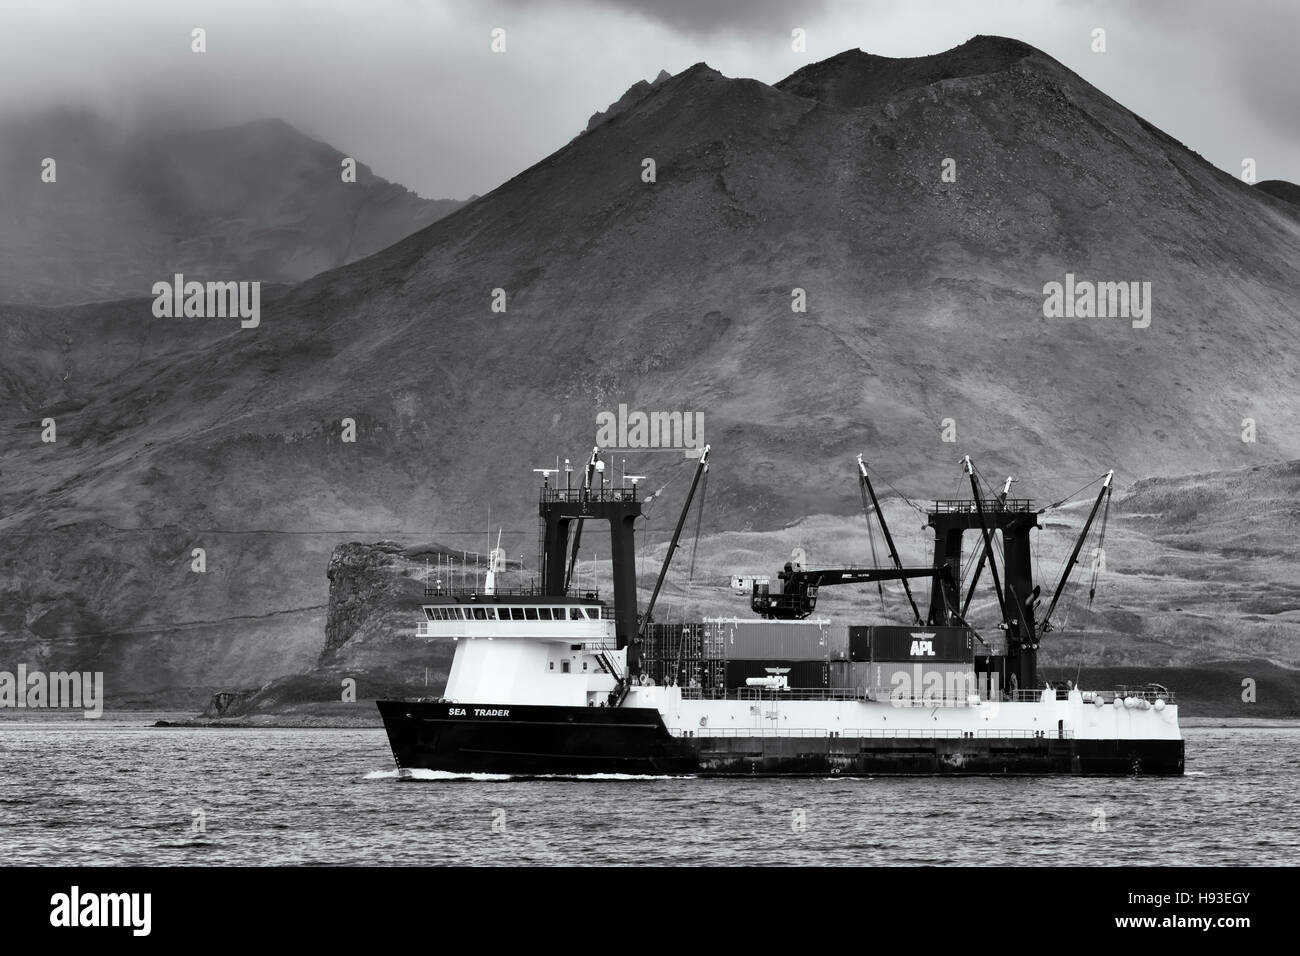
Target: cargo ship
550	679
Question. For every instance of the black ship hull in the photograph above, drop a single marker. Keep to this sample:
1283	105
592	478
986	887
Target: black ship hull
576	741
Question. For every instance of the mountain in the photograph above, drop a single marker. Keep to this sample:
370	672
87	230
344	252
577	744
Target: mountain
259	201
925	303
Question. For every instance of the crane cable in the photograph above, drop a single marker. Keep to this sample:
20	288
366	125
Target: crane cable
1101	550
908	501
1057	504
875	562
699	518
1068	597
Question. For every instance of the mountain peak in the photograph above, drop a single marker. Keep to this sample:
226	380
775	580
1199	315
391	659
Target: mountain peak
854	78
634	94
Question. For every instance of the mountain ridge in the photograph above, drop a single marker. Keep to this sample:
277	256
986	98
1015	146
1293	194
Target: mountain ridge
255	201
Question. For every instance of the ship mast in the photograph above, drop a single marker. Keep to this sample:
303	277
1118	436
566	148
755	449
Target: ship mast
1008	621
560	509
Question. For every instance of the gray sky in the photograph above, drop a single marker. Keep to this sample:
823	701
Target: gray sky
411	87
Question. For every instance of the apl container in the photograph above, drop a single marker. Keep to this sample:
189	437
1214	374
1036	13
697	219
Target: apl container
915	643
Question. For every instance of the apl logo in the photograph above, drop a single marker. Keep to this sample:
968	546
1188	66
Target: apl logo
923	645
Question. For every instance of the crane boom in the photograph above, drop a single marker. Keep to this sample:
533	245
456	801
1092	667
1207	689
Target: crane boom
797	597
700	469
864	482
1078	546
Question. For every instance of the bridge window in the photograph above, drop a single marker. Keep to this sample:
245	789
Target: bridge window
480	614
530	614
428	612
545	613
491	613
593	613
575	614
559	613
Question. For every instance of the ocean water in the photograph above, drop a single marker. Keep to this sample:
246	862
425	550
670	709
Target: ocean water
118	791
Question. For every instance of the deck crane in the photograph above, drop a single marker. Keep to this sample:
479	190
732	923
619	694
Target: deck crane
868	492
1105	492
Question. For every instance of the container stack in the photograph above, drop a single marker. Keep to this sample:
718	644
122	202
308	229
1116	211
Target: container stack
801	651
869	661
910	661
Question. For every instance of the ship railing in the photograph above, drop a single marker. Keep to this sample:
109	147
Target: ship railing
767	694
607	493
821	693
1149	694
875	733
532	591
967	505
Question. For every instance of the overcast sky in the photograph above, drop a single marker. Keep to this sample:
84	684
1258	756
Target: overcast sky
412	88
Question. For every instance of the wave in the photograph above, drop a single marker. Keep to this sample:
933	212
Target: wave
417	773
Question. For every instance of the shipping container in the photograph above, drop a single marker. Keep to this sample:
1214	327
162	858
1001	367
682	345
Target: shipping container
850	676
779	640
798	674
860	643
927	644
837	642
680	642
